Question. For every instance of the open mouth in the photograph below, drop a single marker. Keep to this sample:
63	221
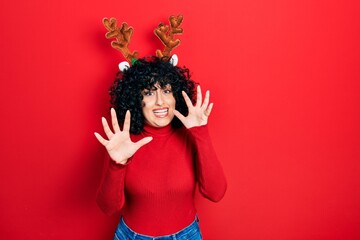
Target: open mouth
161	112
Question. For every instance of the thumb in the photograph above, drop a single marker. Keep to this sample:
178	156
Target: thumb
143	141
179	116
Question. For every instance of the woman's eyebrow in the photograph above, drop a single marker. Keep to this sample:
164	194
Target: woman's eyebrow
167	86
150	88
154	88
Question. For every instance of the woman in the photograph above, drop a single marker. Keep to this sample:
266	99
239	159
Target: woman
162	151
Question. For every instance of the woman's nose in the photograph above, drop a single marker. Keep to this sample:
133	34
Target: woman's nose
159	99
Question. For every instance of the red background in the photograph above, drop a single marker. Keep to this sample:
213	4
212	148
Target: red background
285	81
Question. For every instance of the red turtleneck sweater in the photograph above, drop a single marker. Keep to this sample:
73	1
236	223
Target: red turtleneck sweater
155	189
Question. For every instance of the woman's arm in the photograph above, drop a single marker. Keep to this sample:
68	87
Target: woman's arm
209	172
120	148
110	195
210	175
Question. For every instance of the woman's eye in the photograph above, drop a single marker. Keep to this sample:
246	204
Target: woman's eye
148	93
167	91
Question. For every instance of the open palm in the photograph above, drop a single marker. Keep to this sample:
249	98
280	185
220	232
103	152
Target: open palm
119	145
199	113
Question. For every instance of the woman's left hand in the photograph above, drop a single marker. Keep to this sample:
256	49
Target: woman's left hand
199	113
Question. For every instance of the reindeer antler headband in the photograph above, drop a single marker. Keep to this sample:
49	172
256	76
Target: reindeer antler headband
163	32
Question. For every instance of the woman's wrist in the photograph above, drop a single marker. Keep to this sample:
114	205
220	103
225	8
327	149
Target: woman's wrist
119	162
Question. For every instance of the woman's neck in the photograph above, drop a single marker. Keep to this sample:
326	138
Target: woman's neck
157	131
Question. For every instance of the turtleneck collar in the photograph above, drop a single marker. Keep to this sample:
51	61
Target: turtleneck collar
157	131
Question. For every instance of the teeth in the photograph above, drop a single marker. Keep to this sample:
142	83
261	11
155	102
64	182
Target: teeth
161	111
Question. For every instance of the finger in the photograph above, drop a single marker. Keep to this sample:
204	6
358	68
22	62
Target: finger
100	139
198	96
187	100
107	129
114	121
127	121
143	141
206	100
208	110
179	116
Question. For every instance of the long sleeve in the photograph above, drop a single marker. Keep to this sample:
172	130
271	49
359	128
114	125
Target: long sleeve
160	180
110	195
210	174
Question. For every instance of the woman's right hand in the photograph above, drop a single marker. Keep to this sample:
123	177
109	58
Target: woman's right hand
119	145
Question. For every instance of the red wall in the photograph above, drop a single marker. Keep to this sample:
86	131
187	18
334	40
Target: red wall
285	80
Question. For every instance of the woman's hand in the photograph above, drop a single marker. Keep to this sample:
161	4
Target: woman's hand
119	146
198	115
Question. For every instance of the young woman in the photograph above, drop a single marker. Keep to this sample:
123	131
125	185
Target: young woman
160	153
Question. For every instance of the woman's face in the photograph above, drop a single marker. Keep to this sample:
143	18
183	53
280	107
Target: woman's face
158	105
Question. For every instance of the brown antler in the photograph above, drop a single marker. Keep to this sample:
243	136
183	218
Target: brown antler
122	35
167	36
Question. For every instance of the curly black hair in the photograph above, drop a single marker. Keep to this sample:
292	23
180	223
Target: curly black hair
126	90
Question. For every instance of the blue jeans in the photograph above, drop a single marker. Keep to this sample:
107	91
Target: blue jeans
191	232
